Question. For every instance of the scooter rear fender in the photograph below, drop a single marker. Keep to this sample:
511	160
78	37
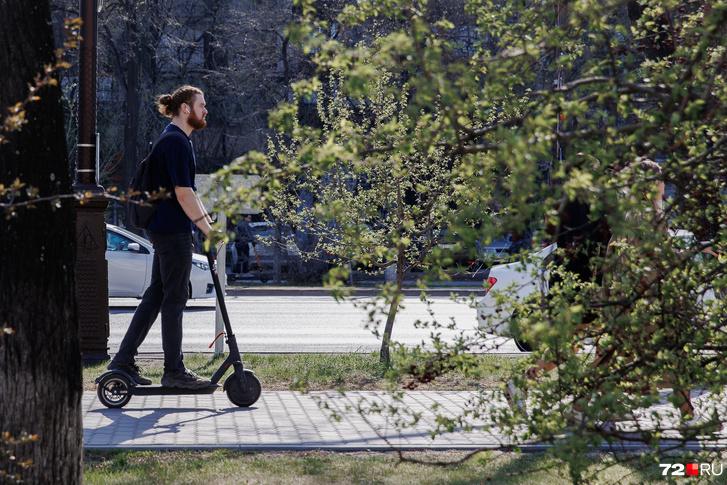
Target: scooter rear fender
119	373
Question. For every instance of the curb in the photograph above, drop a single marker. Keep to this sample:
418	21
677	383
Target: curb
308	291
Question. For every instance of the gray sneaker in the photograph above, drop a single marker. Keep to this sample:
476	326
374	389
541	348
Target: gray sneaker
185	379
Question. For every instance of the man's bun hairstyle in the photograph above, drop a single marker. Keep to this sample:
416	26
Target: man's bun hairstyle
169	104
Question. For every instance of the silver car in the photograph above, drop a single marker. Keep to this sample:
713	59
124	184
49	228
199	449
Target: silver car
130	260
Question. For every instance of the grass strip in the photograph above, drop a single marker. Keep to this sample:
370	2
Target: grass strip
351	371
228	466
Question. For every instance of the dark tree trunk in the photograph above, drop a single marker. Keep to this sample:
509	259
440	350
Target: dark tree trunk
40	362
131	120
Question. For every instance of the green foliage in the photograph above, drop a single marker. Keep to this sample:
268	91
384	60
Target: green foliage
472	132
363	202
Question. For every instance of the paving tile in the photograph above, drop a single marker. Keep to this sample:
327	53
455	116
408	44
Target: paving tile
286	420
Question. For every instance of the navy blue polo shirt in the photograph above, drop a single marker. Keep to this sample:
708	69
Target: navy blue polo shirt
172	165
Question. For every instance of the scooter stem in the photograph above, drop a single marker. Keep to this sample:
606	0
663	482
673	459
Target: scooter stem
218	291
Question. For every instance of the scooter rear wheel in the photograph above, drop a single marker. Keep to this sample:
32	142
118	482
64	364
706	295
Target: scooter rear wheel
243	397
113	391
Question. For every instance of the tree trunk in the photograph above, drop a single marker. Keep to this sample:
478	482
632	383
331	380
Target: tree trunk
384	354
131	121
40	361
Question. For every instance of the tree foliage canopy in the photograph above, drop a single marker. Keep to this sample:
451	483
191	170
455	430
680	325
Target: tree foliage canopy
554	103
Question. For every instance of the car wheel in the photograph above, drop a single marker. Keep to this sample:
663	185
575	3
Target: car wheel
522	345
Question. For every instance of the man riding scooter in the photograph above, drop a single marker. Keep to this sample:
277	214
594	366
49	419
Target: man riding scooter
172	165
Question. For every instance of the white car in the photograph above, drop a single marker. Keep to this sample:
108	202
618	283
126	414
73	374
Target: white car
520	280
130	260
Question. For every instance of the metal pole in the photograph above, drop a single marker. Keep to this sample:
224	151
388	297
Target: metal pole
86	163
91	266
98	157
222	273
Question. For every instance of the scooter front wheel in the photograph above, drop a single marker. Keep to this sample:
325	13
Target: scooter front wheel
243	397
113	391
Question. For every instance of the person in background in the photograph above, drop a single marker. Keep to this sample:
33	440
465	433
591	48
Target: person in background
243	240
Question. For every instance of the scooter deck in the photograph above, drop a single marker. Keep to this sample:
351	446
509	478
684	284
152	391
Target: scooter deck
164	391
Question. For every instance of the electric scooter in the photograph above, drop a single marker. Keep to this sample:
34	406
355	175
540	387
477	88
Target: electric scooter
115	388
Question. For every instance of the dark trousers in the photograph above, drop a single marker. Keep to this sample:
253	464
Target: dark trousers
168	293
243	255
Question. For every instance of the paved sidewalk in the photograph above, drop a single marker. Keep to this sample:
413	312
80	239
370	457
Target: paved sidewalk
279	420
285	420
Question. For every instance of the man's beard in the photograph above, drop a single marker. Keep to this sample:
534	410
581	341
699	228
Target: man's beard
195	122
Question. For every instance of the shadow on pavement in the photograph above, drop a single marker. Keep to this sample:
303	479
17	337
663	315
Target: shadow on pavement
125	427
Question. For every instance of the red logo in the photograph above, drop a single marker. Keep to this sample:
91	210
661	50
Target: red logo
692	469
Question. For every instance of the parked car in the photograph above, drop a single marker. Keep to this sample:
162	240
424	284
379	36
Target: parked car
498	249
526	279
262	253
463	255
523	279
129	265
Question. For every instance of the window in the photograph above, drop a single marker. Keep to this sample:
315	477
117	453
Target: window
117	242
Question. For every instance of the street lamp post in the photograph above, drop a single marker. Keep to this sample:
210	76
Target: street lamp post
91	266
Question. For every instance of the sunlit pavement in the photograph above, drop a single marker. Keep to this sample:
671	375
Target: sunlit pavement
286	420
304	324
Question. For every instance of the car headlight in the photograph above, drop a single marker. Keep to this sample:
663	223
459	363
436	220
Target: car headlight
201	265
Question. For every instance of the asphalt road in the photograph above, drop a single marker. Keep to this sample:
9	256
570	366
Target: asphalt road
302	324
